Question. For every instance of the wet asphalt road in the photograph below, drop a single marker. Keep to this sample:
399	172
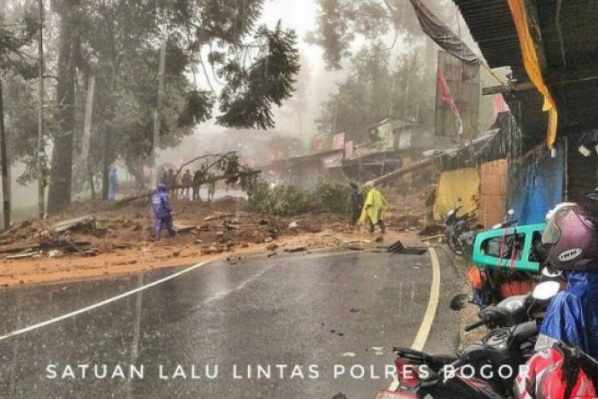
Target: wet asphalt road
318	323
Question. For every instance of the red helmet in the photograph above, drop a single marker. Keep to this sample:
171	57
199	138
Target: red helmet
572	238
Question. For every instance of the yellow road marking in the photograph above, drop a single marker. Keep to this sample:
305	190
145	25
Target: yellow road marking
428	320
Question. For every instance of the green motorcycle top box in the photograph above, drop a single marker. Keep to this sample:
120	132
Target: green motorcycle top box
511	248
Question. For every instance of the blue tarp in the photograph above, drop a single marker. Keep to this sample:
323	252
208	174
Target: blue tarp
536	186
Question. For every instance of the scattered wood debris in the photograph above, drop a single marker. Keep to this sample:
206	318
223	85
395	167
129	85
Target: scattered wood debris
296	249
84	223
29	254
217	216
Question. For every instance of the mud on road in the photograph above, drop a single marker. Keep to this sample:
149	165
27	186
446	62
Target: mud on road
114	240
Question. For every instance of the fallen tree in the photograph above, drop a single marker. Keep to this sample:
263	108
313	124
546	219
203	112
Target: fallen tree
403	171
240	175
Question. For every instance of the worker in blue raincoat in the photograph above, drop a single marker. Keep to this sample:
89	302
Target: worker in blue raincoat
572	316
112	184
162	212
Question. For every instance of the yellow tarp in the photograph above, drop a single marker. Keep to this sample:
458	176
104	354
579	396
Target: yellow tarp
532	66
461	183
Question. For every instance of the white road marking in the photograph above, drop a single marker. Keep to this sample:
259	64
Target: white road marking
102	303
428	320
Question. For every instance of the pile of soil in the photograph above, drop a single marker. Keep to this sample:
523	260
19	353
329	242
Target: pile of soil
97	238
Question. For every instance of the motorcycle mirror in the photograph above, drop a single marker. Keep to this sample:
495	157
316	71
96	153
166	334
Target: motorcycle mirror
511	212
460	302
551	272
546	290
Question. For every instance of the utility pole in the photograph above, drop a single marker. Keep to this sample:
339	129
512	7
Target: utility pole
87	132
40	132
5	180
158	109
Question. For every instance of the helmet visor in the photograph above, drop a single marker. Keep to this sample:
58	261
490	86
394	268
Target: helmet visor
552	233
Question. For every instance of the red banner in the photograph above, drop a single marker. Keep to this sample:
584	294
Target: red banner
445	93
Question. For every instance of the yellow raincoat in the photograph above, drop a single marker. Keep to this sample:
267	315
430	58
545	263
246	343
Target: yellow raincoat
374	208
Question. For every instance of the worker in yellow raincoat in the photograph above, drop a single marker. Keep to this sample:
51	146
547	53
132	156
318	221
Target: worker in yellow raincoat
374	209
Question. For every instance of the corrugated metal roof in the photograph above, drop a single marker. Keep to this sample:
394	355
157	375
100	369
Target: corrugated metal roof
573	83
492	27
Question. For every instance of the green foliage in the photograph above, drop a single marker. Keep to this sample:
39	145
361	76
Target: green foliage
198	108
123	40
17	69
333	197
282	200
341	22
375	90
118	42
12	57
247	99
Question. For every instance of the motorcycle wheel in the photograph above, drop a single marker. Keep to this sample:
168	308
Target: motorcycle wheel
457	247
451	242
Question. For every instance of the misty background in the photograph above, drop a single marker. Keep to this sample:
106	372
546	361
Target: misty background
296	121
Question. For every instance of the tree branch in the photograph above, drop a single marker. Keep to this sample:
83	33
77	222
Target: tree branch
206	74
180	186
222	36
394	41
203	157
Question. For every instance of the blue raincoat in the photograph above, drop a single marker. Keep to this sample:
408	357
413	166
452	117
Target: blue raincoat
572	316
112	185
161	202
162	212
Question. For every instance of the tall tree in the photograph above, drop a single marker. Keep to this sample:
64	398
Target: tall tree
12	61
69	58
119	41
341	22
375	90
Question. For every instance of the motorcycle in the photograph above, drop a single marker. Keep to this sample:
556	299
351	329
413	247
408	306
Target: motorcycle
458	231
485	369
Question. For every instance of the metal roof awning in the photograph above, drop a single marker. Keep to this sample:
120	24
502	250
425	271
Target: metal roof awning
564	35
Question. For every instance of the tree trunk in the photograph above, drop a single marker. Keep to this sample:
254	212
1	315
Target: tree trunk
41	178
107	161
59	195
3	154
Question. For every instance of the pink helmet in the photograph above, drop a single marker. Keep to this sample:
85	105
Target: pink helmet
572	238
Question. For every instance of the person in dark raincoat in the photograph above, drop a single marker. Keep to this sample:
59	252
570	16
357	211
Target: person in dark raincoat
186	180
171	180
197	176
356	202
162	212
